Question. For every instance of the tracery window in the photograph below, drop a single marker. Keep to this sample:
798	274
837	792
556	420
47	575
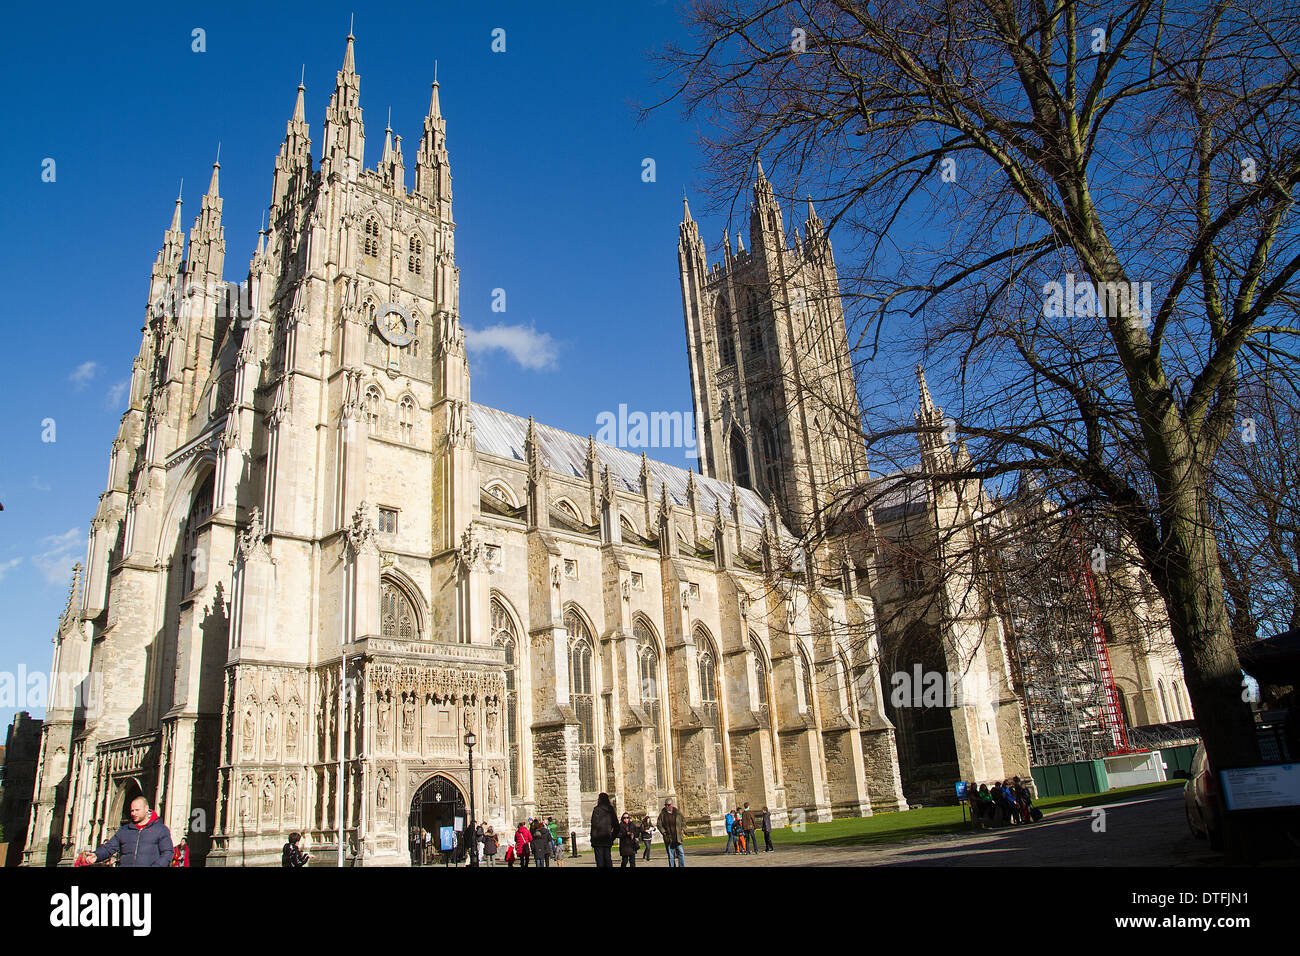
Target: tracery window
414	260
726	341
739	461
771	458
762	677
406	418
582	693
397	620
708	668
648	665
754	325
503	631
200	511
805	681
374	402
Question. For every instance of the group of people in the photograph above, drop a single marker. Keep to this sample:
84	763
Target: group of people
1000	803
538	842
742	826
608	828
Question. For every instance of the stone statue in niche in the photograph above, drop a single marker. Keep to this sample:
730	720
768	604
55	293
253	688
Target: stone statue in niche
384	714
494	789
271	731
408	714
245	799
250	729
268	799
381	791
291	734
291	797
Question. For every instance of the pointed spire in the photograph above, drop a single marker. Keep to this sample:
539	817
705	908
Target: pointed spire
349	56
388	136
176	215
927	403
299	108
812	213
216	167
740	241
686	207
761	176
435	104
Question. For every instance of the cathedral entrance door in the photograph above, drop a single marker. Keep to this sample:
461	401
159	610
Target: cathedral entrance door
438	803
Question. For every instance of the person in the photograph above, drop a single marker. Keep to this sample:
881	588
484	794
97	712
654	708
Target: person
489	847
292	854
559	850
767	829
145	841
748	824
181	854
510	855
523	838
737	824
730	823
647	835
628	843
987	811
604	828
554	831
541	845
672	827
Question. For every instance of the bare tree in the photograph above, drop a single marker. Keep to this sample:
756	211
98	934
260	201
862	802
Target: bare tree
1083	214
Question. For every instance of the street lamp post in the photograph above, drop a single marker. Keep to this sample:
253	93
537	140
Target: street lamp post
470	741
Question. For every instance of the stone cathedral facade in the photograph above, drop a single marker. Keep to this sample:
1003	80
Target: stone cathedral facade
317	564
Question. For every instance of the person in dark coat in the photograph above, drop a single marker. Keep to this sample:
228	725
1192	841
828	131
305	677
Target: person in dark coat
145	841
541	845
604	828
672	827
647	834
628	842
292	854
767	829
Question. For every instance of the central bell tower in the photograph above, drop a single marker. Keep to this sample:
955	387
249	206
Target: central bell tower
776	407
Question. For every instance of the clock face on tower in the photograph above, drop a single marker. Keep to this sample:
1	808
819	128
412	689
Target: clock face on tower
394	324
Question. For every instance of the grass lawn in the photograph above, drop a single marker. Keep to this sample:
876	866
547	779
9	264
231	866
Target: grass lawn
914	824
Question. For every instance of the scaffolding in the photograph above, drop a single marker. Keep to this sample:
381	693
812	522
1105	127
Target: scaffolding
1067	690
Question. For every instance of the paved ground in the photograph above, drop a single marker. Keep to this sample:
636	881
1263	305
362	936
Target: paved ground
1147	831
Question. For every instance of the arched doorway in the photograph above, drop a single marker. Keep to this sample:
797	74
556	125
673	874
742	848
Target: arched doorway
438	803
127	790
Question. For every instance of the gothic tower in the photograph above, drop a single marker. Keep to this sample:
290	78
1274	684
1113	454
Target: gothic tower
776	408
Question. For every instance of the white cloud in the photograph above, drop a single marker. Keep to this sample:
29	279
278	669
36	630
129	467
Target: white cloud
37	485
83	373
113	400
61	552
523	343
6	566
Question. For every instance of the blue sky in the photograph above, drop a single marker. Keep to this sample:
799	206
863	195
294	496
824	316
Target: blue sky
550	205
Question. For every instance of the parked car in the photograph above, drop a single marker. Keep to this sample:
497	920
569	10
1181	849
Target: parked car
1202	798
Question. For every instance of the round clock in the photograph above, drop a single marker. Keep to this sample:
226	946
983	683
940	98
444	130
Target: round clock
394	324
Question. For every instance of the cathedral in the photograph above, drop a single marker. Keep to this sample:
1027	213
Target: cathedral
326	591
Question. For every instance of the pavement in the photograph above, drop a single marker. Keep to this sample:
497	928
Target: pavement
1146	831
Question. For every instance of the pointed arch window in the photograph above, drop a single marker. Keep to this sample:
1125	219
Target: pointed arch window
414	261
805	682
849	697
397	620
740	461
708	667
199	513
583	696
762	679
1164	702
771	458
648	665
406	418
726	340
753	324
503	635
374	402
